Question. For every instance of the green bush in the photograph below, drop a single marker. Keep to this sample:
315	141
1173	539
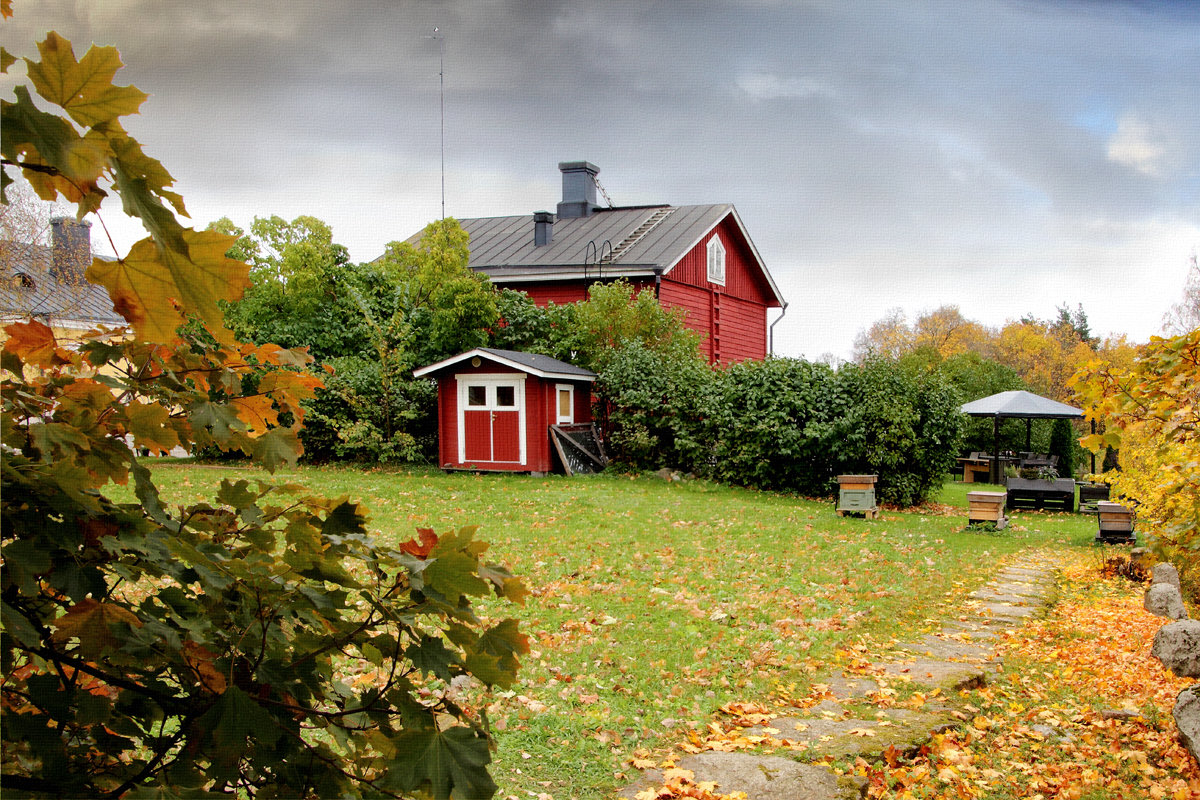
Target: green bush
783	424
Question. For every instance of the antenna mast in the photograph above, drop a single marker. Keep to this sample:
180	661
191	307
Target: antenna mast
441	40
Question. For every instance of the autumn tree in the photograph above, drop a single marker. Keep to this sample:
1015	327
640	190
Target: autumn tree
199	650
1151	411
947	332
1184	316
890	336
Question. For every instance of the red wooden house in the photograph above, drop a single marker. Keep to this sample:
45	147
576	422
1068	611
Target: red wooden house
698	258
496	407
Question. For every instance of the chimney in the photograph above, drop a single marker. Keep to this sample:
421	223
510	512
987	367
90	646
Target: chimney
543	228
70	249
579	189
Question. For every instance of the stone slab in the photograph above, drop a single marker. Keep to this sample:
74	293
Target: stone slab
760	777
949	648
935	673
1007	611
992	596
901	728
1031	590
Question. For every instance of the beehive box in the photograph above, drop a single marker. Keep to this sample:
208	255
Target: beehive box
1115	521
856	495
986	507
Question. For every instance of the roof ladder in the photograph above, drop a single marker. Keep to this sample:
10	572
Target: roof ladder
638	234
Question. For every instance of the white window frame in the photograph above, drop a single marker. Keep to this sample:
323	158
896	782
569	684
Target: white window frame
490	381
716	260
570	389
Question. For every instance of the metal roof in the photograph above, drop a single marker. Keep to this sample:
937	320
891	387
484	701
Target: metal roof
644	240
532	363
1020	404
28	288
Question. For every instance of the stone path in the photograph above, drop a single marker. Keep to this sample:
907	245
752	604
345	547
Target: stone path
845	723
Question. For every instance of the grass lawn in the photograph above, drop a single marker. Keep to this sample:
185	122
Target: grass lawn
655	603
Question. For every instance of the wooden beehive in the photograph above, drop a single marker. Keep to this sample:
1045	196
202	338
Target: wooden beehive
1116	522
986	507
856	495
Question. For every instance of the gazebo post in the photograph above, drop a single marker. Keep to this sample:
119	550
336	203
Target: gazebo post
1093	451
996	449
1028	434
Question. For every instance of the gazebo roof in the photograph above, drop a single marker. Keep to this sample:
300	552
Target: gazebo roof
1020	404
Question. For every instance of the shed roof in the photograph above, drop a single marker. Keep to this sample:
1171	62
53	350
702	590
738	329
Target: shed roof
1020	404
532	363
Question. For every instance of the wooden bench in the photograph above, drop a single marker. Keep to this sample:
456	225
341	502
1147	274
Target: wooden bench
1090	494
1038	494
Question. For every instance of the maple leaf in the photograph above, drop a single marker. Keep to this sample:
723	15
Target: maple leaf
92	623
257	411
154	287
200	661
148	422
83	88
36	139
422	548
33	342
453	760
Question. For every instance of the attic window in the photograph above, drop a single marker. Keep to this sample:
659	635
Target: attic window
716	261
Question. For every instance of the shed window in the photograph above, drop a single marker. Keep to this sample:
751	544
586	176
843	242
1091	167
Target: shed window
566	403
716	260
477	395
506	396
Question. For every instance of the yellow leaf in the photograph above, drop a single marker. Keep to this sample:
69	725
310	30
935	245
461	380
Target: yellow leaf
256	411
149	425
33	342
84	88
862	732
153	288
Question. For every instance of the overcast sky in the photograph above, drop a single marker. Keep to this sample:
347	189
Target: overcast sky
1006	157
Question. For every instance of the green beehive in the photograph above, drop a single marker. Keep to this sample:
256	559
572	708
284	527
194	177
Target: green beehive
856	495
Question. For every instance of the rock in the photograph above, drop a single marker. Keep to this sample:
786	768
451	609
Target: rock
1177	646
1187	719
1165	600
668	474
1165	573
1138	556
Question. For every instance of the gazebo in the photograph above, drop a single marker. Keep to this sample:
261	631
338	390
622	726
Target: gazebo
1017	405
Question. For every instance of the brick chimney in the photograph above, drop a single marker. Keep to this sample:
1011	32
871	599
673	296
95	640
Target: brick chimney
579	189
70	249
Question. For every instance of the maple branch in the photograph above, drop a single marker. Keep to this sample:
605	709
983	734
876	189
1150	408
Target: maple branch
45	169
167	702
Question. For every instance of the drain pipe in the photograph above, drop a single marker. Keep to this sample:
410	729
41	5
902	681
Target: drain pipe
771	329
658	284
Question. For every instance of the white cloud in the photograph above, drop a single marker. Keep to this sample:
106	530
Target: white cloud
766	86
1137	145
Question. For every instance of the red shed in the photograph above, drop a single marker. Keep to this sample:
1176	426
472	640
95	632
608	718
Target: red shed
496	408
696	258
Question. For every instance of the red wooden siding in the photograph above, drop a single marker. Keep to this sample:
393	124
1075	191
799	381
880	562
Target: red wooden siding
743	330
559	294
743	278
